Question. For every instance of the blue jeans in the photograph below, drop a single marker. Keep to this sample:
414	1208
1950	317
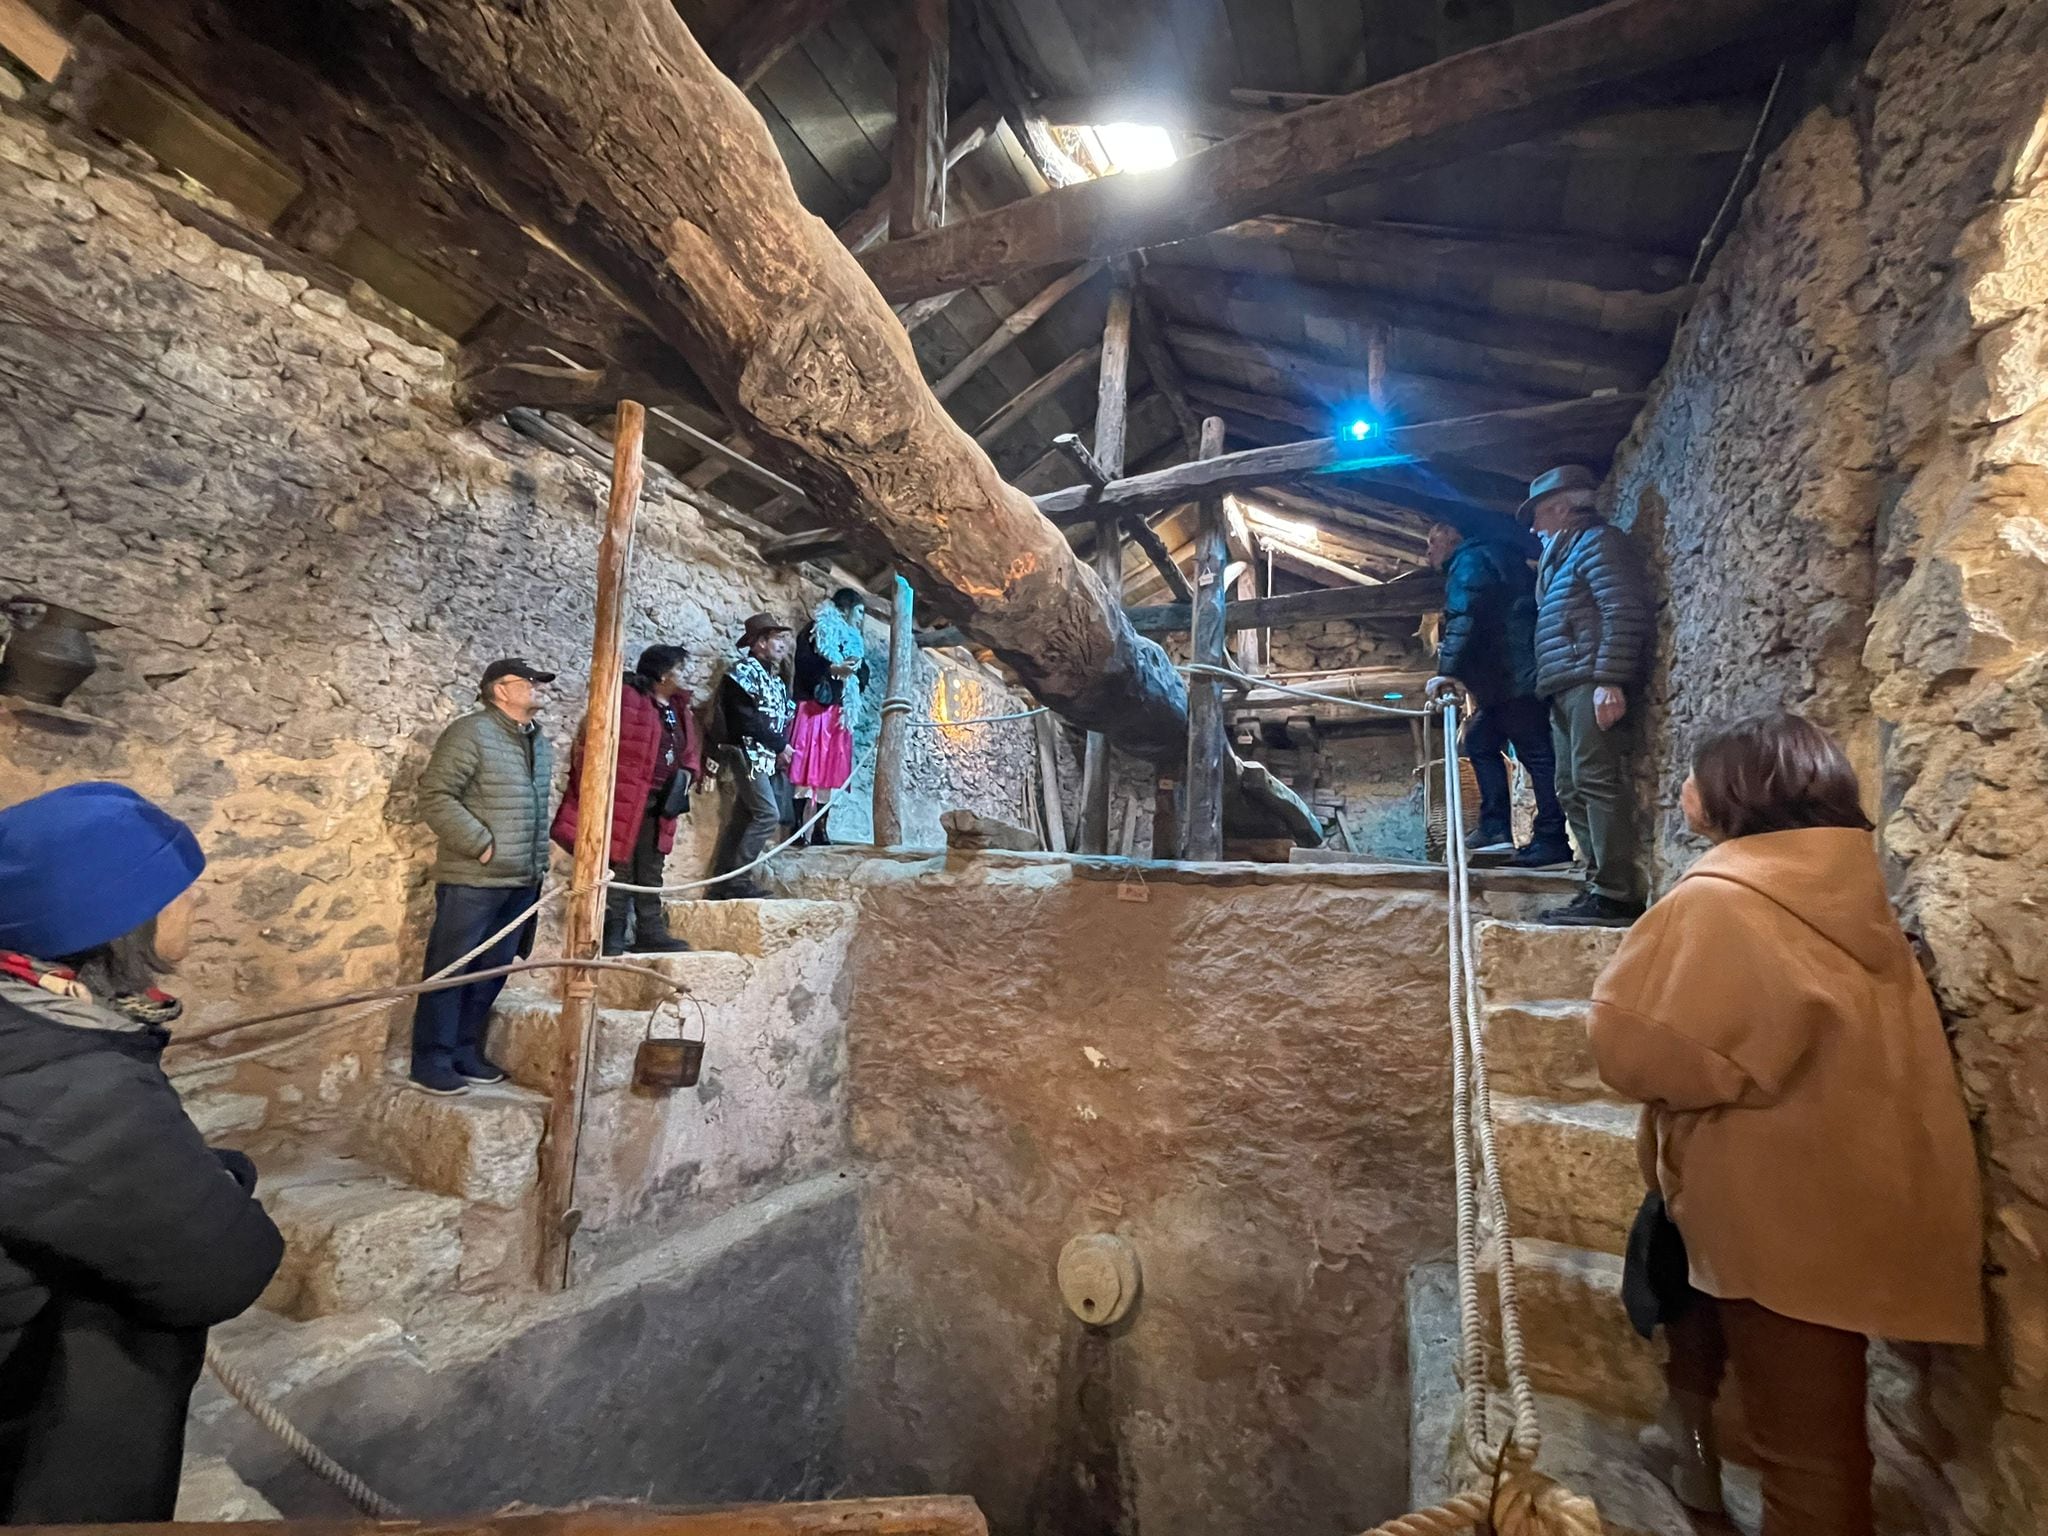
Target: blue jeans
449	1025
1523	724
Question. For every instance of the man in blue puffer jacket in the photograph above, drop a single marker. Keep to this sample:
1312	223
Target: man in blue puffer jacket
1595	636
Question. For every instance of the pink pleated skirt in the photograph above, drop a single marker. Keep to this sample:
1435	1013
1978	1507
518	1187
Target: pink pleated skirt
822	746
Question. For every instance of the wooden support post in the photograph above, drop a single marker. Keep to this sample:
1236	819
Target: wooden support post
917	171
892	747
1208	746
599	769
1112	400
1166	827
1049	774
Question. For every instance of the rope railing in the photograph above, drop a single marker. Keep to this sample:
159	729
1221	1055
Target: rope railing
1520	1501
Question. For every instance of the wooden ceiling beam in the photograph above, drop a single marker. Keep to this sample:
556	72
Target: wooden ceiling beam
1202	294
1268	368
1041	389
675	200
1012	328
917	151
1315	458
1458	107
1403	601
1461	253
763	32
869	225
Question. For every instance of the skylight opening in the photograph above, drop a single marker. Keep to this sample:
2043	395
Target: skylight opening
1136	146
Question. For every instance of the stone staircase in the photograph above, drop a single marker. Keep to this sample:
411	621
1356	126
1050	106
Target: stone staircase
1567	1151
434	1198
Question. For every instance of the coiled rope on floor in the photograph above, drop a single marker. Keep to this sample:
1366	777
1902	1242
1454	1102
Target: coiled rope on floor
271	1417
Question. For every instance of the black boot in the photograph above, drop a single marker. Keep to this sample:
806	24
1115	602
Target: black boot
614	931
654	938
818	837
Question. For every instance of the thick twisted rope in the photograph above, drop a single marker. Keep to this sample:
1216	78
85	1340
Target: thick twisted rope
267	1413
1472	1128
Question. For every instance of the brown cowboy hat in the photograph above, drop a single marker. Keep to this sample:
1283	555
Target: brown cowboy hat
762	624
1566	477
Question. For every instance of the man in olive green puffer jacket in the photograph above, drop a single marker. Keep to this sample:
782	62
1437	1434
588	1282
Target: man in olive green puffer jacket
484	793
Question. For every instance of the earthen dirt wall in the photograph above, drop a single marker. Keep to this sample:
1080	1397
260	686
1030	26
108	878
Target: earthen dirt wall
1247	1080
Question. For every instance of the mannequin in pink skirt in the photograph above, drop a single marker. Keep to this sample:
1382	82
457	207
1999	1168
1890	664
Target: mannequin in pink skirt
831	676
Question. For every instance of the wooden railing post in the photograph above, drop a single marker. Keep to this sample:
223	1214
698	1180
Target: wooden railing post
1208	745
892	746
598	768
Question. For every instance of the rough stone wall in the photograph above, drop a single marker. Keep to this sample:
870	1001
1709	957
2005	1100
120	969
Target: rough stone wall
1753	473
1848	462
309	562
1246	1079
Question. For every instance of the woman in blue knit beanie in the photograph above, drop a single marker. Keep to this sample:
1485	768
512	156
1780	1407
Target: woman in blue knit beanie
123	1236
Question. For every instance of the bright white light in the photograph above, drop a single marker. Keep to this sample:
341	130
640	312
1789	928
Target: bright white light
1288	530
1135	146
1361	429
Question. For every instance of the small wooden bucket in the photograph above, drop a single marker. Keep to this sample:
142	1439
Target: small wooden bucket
664	1065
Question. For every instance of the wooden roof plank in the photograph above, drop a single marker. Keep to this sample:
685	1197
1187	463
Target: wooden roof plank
1452	110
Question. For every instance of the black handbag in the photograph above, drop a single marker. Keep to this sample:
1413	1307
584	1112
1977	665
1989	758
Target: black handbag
674	800
1656	1277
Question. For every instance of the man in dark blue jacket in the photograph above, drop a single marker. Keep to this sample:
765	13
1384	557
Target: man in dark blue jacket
1489	649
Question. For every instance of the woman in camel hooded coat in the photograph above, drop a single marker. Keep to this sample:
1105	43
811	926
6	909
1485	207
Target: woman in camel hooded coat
1803	1120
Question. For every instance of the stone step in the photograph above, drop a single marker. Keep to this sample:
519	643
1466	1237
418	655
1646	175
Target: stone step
525	1040
758	927
1598	1457
1589	1453
212	1492
712	976
1569	1170
1578	1340
1530	962
357	1242
482	1145
1540	1051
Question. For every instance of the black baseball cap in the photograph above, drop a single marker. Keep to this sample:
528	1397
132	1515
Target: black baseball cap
515	666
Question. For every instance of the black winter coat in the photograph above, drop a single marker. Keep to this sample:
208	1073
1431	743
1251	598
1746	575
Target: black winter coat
123	1237
1595	613
1489	641
814	679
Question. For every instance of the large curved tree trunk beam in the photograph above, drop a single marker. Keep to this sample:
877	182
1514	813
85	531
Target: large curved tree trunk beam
602	127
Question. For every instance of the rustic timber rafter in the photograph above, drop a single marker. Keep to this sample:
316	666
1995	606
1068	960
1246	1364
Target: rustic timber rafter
1474	101
492	110
1390	602
1523	347
1266	367
1318	457
764	31
1460	252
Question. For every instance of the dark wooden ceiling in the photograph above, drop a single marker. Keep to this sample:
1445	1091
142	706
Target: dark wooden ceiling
1550	270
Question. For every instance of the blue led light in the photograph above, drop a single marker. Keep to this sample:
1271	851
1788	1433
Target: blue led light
1360	430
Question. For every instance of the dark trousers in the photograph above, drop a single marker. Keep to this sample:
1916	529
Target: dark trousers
1802	1388
760	805
451	1021
1523	724
1593	785
92	1416
643	866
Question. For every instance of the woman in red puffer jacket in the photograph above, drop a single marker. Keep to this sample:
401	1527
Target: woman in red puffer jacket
661	756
